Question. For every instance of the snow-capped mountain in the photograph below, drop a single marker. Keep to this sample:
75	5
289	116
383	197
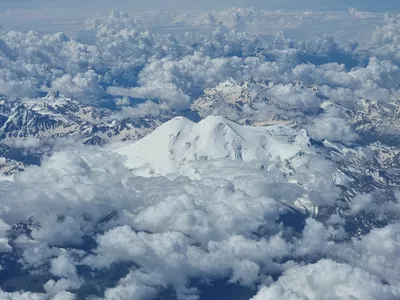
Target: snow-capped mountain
57	116
182	147
285	156
179	142
248	103
265	103
378	121
10	166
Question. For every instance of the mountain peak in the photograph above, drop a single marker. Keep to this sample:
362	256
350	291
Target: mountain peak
181	141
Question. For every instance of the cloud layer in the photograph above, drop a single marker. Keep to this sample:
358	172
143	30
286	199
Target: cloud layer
86	214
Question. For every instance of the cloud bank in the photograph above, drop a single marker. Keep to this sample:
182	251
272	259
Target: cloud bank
83	214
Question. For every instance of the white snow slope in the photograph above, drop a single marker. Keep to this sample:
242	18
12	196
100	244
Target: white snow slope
174	145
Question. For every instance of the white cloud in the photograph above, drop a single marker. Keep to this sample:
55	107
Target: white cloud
132	62
29	142
84	86
22	296
64	296
376	252
328	280
277	292
182	228
362	202
4	243
333	125
295	98
135	285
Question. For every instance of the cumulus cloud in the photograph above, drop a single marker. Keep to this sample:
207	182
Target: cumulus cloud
328	280
121	58
332	125
178	240
4	246
136	285
84	86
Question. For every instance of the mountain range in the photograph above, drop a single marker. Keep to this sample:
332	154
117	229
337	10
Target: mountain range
242	122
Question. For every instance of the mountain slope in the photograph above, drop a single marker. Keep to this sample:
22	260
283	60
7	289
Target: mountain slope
57	116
